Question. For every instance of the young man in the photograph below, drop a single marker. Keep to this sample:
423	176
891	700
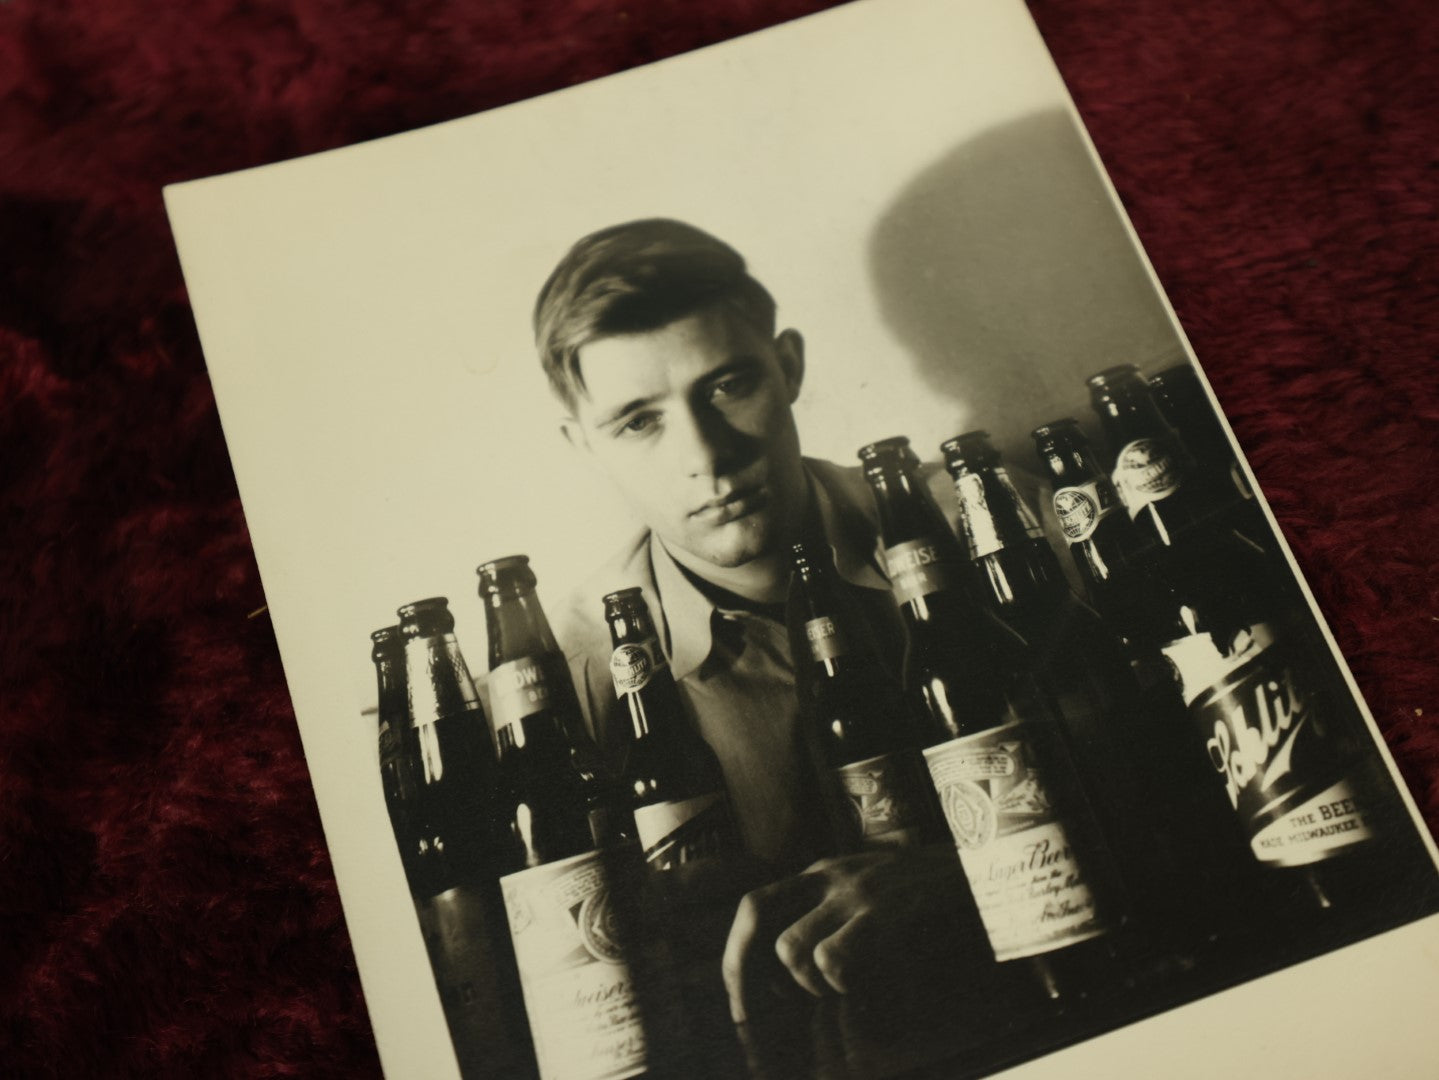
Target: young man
678	387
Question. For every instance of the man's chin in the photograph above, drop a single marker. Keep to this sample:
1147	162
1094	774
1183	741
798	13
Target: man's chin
735	544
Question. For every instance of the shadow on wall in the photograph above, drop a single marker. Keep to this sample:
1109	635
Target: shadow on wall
1008	275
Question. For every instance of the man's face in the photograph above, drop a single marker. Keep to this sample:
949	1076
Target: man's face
692	423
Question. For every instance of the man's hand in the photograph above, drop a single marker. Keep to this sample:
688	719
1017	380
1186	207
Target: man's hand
847	919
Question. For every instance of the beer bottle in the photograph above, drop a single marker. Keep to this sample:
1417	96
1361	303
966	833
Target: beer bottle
673	779
570	886
1182	401
1004	781
855	713
1153	473
1269	711
1101	540
438	769
1017	573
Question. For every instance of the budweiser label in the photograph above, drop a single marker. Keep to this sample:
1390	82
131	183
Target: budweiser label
917	568
826	640
1027	882
518	688
1144	473
578	987
1080	509
681	831
1269	746
886	795
632	666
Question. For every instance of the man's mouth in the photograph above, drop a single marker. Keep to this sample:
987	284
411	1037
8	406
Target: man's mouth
733	506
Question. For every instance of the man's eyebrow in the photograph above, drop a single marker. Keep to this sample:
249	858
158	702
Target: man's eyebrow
743	362
615	415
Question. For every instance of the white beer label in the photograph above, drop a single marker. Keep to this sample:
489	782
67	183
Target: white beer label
1144	473
825	639
518	688
681	831
1316	829
1080	509
1269	746
917	568
579	990
977	520
886	794
1026	880
633	666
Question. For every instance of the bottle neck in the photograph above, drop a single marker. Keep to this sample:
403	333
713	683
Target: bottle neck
437	680
392	698
517	627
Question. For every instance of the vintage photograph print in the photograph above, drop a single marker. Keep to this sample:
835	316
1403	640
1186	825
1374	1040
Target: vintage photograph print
767	592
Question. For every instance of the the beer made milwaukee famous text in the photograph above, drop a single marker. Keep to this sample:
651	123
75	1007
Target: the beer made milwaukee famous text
990	741
568	897
854	712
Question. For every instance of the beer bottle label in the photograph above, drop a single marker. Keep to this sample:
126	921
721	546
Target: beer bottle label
1080	509
633	666
978	520
887	796
683	830
826	639
917	568
578	987
1144	473
439	683
389	743
1269	746
518	688
1027	881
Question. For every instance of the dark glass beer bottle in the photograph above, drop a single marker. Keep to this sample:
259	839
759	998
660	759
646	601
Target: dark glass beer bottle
1101	540
570	885
1153	472
855	713
1182	401
1269	710
438	770
1017	573
671	777
1003	778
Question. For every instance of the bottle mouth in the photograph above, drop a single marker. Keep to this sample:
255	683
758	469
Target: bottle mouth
1055	429
1115	376
422	618
971	450
888	456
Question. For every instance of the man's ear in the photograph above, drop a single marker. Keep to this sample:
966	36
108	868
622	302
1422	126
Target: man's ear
574	433
789	348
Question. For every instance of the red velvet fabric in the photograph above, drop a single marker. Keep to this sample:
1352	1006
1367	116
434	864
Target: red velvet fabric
167	908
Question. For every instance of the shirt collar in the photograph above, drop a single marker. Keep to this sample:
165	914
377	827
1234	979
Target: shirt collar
847	517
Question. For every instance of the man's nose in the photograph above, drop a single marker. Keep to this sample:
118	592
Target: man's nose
705	443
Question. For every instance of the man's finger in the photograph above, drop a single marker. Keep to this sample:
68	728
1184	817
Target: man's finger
840	954
749	962
795	947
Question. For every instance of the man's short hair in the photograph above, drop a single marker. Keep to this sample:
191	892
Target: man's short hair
633	278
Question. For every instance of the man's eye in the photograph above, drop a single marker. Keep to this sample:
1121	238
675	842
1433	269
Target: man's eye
638	425
732	386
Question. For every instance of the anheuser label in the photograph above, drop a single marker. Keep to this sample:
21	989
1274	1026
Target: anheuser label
1144	473
917	568
1270	747
1026	879
682	830
579	989
1081	508
885	794
518	688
